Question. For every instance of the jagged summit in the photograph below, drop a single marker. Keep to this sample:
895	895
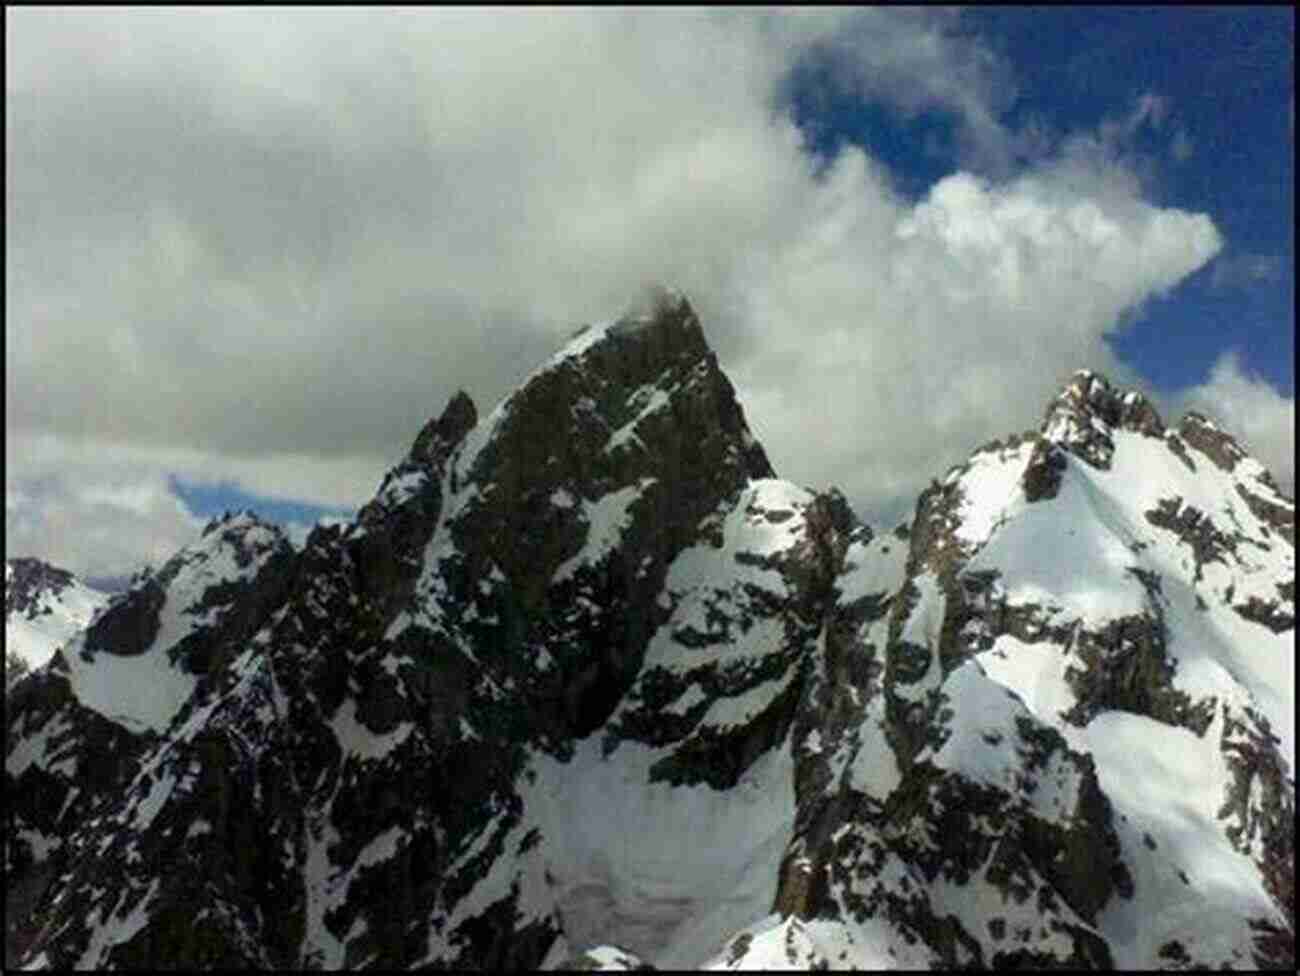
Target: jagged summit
26	579
445	431
1089	410
1202	433
171	609
232	524
584	683
611	395
45	606
657	328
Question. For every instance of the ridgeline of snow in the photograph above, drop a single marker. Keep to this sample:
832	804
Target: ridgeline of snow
147	690
53	620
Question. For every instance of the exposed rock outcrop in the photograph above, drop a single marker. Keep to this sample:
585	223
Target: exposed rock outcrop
585	684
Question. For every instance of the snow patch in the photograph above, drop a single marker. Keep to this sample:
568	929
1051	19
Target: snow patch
144	691
107	930
984	745
355	738
606	519
1035	672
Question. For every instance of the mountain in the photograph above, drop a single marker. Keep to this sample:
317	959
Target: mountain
44	608
587	685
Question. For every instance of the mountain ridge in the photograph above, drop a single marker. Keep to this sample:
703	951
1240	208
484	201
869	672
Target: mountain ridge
585	673
45	606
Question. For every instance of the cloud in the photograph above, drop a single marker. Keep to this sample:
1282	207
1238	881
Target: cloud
1253	411
1117	144
924	331
1151	109
1245	271
267	247
101	522
104	508
923	59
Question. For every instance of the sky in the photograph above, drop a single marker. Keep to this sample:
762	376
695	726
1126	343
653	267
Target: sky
250	251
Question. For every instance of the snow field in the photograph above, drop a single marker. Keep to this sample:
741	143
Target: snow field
661	871
140	692
877	568
1051	555
146	691
71	611
1072	555
1166	785
1035	672
989	488
789	944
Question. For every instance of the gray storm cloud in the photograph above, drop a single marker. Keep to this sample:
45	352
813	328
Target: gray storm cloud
268	246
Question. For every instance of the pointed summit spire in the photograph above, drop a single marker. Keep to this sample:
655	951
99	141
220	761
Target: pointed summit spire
440	435
1088	410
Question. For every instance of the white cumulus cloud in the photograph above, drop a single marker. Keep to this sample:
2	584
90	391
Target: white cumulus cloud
266	247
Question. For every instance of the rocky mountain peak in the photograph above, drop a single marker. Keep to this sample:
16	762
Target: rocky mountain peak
577	492
445	431
585	685
1210	439
195	591
1089	409
1252	482
244	532
636	405
26	579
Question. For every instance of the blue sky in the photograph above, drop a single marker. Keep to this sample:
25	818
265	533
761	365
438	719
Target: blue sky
250	254
214	498
1227	76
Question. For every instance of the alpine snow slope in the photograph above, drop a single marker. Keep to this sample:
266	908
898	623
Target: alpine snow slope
586	684
45	607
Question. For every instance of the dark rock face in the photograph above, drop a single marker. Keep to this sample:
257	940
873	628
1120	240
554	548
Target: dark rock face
643	414
1126	668
1202	434
1280	517
26	580
394	527
440	436
100	764
1193	529
129	626
600	589
1042	477
55	784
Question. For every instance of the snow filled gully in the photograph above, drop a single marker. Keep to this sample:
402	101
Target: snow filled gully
660	871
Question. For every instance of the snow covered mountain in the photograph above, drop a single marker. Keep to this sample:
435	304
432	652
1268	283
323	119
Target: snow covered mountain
586	684
44	608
